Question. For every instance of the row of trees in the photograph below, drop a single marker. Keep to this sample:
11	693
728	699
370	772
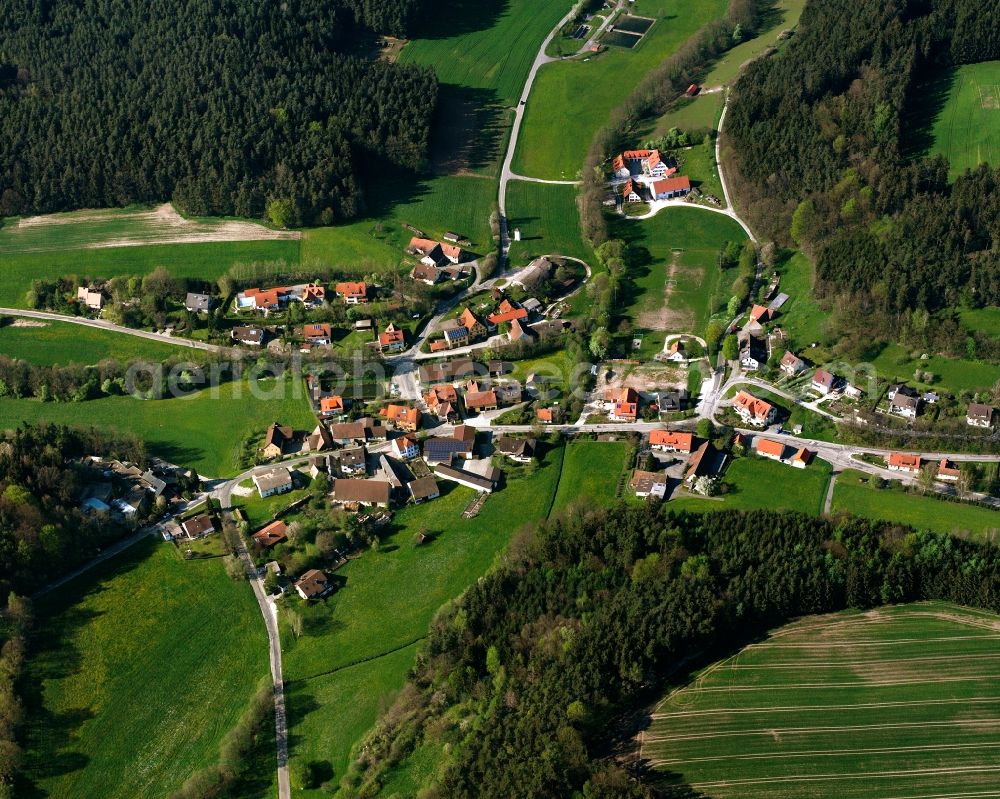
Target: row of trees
15	624
521	679
227	108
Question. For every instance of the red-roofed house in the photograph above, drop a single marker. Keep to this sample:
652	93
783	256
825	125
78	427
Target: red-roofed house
669	188
767	448
403	417
902	462
479	401
392	339
632	192
753	410
760	314
545	415
948	471
470	322
624	405
353	293
317	334
801	458
823	382
506	312
671	441
406	447
331	406
267	537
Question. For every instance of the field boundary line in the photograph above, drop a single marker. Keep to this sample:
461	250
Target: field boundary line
883	775
853	663
825	753
358	662
828	685
796	708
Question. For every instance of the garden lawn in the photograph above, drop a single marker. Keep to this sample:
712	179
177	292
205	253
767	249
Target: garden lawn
781	16
854	494
698	113
953	374
896	701
54	343
571	100
699	165
693	271
201	431
814	425
761	483
590	473
388	602
549	222
205	261
800	316
966	127
137	671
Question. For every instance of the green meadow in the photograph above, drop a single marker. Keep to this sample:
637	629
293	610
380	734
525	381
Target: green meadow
548	220
53	343
897	701
203	431
800	316
571	100
697	113
966	127
341	677
985	320
590	473
677	280
138	669
895	361
855	493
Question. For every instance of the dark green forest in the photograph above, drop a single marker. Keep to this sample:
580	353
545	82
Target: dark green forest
43	532
819	139
523	681
228	107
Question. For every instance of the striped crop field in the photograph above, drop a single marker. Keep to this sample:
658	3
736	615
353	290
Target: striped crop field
901	702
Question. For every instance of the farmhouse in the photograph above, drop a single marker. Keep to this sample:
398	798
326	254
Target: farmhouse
455	334
198	526
267	301
277	440
353	461
442	401
792	364
521	450
352	293
507	311
251	335
197	303
403	417
903	401
479	401
433	253
703	463
670	188
273	481
447	371
367	493
948	471
760	314
823	382
753	351
423	489
632	192
405	447
979	415
331	406
91	298
426	274
443	449
319	334
313	585
671	441
767	448
484	479
623	404
753	410
649	484
470	322
520	331
392	339
640	162
902	462
273	534
535	274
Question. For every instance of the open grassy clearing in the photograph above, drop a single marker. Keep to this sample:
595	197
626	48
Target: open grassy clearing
953	374
50	343
761	483
570	100
959	116
387	603
125	227
698	113
986	320
673	289
855	494
699	165
203	431
800	316
781	16
898	701
548	220
138	670
590	473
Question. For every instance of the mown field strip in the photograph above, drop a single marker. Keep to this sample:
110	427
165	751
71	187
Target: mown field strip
854	711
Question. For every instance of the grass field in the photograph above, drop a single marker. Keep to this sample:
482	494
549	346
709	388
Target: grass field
138	669
201	431
571	100
782	15
63	342
699	113
954	374
673	290
386	605
800	316
966	127
854	494
699	165
898	701
986	320
590	473
548	220
760	483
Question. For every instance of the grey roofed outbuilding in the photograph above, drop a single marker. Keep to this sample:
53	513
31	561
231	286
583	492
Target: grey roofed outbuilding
197	303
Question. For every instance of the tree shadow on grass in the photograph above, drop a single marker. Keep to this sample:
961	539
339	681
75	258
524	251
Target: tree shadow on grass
444	19
925	101
300	701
